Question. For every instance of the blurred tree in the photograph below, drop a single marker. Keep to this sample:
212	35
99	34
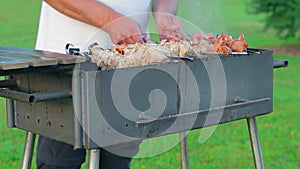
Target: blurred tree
283	16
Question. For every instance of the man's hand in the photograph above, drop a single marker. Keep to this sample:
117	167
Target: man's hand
168	26
124	30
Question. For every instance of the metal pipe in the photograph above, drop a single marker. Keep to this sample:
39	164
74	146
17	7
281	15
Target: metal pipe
46	96
10	112
184	150
255	144
15	95
28	150
280	63
34	97
94	158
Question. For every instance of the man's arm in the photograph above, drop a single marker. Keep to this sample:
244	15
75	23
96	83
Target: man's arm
164	12
165	6
119	27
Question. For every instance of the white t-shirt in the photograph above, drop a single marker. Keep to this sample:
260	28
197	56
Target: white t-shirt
56	29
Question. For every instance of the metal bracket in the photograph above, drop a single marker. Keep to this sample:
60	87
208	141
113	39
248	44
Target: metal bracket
10	105
70	49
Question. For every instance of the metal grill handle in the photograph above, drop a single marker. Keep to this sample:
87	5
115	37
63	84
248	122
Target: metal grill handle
280	63
34	97
237	104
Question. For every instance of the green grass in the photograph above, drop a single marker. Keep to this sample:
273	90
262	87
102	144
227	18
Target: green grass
19	22
229	145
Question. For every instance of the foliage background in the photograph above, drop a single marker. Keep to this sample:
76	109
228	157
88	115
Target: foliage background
283	16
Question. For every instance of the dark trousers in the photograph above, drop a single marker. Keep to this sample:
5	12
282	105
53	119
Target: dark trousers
52	154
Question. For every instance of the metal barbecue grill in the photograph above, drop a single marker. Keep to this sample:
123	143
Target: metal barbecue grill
67	98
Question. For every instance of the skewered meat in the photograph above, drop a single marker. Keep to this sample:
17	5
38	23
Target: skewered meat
240	44
211	38
131	55
127	55
224	49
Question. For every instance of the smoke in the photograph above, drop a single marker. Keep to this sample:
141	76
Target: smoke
205	15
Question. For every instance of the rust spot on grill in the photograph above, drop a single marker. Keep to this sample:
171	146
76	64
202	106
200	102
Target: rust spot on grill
152	132
30	107
46	107
49	124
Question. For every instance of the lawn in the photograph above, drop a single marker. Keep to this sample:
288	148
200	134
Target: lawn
229	146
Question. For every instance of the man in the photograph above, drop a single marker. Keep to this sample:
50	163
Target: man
83	22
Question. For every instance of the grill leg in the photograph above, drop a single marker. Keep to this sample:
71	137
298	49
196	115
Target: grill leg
28	150
94	157
255	144
184	150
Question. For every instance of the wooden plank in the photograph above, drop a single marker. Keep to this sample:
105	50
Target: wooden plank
9	64
31	60
62	58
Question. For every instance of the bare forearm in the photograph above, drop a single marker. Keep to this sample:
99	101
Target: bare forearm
89	11
165	6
